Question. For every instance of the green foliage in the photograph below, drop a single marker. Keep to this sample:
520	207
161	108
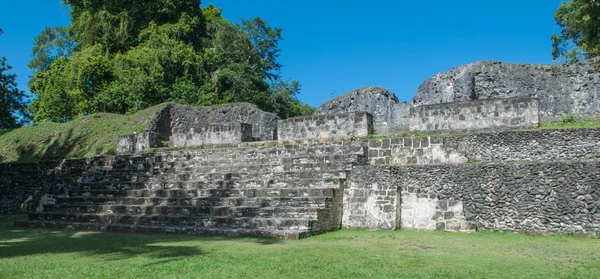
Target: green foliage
53	43
570	121
121	57
472	160
376	137
12	103
403	134
569	118
579	38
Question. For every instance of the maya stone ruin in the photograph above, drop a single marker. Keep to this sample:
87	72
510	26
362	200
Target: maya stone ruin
237	170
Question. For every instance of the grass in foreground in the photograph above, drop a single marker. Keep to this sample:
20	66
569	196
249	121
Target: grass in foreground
85	136
42	253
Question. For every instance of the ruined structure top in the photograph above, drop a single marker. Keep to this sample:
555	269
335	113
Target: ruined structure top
560	89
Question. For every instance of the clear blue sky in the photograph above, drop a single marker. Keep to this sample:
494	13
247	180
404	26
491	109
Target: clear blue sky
333	47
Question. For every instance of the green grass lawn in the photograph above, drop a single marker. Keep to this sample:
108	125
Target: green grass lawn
44	253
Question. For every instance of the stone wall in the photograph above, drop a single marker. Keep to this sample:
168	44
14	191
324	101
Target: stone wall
137	142
557	197
264	124
19	181
389	115
508	146
424	212
493	114
372	199
333	126
414	151
211	134
561	89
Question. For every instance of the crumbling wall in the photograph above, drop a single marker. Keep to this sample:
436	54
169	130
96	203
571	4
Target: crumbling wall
389	115
264	124
137	143
561	89
211	134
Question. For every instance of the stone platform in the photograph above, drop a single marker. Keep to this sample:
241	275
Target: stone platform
285	190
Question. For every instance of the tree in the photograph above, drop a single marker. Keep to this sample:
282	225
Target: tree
122	57
12	102
579	38
51	44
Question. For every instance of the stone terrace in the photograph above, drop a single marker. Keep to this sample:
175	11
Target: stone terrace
287	190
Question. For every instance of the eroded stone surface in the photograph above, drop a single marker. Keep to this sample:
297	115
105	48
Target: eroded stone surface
478	115
389	115
500	147
560	89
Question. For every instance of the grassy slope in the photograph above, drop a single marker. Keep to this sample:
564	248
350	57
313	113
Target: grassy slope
82	137
42	253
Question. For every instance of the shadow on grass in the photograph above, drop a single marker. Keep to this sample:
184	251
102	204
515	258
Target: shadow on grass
18	242
58	148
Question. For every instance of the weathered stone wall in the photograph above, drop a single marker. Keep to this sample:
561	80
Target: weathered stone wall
332	126
161	124
389	115
401	120
493	114
414	151
557	197
264	124
430	213
560	89
211	134
508	146
18	181
137	142
171	169
372	199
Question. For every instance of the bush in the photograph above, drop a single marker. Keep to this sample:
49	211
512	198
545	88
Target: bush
569	118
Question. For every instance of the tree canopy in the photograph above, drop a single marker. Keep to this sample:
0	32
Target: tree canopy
579	38
123	56
12	103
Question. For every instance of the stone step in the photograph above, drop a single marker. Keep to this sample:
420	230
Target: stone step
283	234
219	211
300	190
268	184
253	168
252	202
178	220
341	159
187	168
281	149
210	177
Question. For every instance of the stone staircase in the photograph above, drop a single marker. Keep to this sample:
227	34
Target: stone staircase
285	190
